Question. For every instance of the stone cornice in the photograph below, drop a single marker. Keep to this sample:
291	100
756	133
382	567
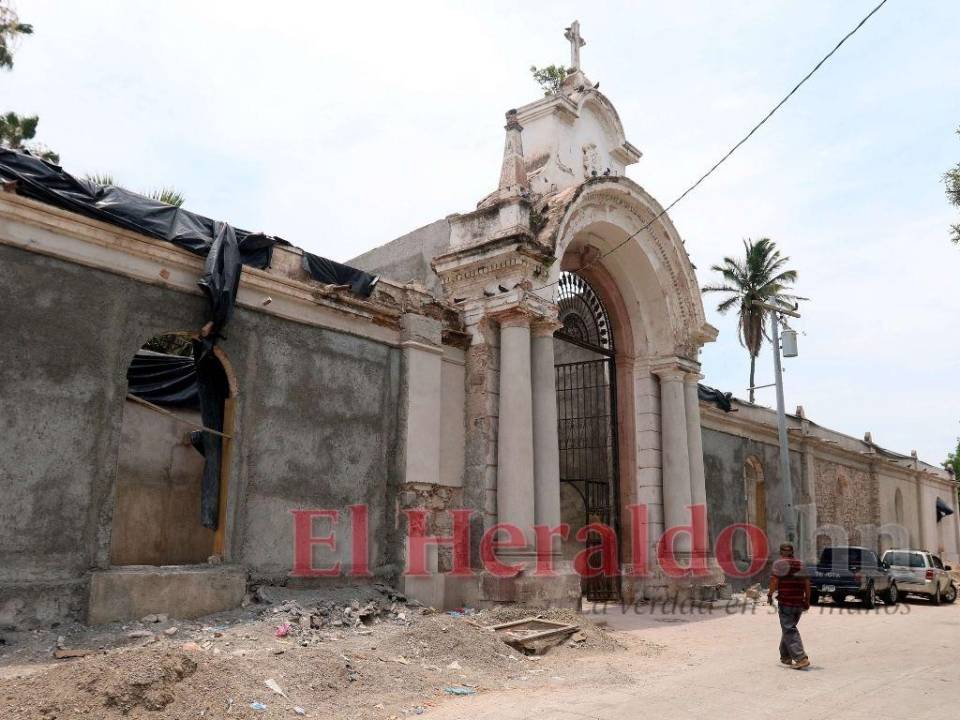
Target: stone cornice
821	447
284	290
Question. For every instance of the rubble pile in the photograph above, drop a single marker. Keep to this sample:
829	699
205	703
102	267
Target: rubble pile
354	652
310	621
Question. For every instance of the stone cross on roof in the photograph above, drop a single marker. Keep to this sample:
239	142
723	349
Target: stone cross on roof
576	42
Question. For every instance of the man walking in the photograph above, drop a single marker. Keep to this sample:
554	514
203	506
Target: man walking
792	585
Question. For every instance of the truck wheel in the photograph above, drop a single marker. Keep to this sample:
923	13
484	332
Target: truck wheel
814	598
950	596
870	598
839	598
936	598
891	596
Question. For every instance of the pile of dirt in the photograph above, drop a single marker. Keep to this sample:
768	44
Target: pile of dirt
350	653
121	682
439	640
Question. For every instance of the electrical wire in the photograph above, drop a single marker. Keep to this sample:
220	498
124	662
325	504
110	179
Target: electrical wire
736	147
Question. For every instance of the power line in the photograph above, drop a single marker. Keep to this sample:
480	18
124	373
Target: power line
736	147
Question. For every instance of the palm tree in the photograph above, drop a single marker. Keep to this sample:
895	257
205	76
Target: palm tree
10	29
168	195
758	276
15	130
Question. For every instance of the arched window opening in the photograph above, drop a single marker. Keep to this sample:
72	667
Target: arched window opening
174	446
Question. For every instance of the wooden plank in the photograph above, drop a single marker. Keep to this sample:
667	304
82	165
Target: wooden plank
229	417
163	411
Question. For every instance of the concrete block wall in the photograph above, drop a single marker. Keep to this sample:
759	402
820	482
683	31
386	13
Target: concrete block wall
316	427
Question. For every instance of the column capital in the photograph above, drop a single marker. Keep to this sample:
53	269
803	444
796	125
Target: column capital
545	327
669	373
673	368
513	317
693	377
517	307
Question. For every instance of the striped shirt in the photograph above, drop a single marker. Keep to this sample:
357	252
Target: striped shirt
791	577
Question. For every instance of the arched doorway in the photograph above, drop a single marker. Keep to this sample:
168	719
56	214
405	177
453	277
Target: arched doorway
755	492
587	422
174	455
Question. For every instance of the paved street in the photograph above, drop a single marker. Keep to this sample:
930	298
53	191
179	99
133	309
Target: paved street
864	665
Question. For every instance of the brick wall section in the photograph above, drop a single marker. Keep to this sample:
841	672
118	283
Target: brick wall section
437	500
846	496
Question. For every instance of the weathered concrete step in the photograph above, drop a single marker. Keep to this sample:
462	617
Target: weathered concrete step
182	591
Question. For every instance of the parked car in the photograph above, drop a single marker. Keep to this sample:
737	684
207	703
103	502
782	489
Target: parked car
921	573
842	571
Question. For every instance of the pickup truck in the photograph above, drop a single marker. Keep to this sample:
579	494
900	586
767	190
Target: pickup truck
843	571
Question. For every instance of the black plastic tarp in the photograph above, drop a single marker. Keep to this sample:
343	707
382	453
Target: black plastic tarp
333	273
721	399
225	249
40	180
167	380
195	383
943	510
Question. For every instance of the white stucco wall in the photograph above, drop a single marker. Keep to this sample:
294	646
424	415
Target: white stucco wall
452	428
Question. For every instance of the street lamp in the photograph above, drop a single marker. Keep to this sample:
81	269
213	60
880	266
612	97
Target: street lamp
790	350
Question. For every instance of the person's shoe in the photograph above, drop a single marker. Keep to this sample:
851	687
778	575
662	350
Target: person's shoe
801	664
786	661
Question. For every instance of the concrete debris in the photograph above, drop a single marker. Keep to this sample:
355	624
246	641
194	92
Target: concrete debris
134	634
454	666
154	618
459	690
752	592
170	631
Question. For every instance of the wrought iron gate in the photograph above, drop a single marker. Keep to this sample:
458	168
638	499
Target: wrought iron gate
587	420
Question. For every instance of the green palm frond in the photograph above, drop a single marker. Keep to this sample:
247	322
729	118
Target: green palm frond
168	195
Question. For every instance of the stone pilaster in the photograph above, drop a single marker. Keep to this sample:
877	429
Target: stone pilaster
515	456
675	454
546	449
698	483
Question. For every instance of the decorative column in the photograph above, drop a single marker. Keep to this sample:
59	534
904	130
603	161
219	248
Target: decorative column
675	453
698	482
546	446
515	463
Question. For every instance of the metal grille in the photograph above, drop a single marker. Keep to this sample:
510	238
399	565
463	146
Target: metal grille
585	320
586	410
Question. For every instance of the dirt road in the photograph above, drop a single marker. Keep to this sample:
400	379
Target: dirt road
888	663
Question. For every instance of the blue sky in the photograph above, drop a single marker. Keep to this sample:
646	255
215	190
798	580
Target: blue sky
341	126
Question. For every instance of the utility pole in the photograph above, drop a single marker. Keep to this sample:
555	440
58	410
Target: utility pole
789	518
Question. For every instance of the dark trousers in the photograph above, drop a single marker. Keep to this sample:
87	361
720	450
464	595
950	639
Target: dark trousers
791	646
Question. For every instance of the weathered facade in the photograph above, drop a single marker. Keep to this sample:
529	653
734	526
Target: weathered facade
321	384
845	490
533	361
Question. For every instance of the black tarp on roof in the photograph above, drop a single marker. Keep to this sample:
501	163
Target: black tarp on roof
719	398
170	379
40	180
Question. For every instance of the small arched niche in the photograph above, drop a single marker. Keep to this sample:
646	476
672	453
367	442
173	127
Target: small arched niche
167	512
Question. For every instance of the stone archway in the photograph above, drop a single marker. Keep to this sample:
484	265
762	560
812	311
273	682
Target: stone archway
608	232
